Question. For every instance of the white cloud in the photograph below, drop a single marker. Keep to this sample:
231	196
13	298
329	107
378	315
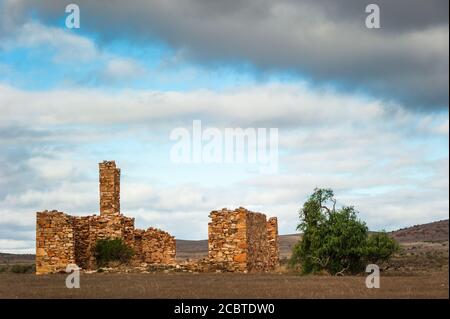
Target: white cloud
51	168
16	246
67	197
276	104
442	128
68	47
119	69
392	165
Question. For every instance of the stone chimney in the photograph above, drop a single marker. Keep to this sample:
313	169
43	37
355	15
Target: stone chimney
109	178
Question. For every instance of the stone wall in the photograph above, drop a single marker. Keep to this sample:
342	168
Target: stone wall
89	229
258	255
227	239
54	242
272	237
156	247
238	240
62	239
109	179
241	240
84	244
57	232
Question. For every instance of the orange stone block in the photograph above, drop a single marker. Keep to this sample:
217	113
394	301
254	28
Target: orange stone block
243	245
240	258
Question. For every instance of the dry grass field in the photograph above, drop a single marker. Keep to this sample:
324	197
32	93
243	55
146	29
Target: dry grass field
228	285
419	270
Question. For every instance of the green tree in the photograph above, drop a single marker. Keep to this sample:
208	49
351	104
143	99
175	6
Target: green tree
335	240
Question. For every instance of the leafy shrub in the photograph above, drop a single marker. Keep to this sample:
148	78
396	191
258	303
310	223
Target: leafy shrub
109	250
22	269
380	247
335	240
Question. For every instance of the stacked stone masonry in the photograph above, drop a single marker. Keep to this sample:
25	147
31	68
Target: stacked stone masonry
272	237
242	240
54	242
238	240
62	239
109	176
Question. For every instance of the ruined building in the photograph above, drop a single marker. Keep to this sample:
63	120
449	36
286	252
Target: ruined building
62	239
242	240
238	240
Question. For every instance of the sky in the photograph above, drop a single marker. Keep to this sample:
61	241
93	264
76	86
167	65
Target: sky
362	111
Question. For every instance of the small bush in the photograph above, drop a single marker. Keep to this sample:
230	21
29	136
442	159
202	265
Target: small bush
109	250
380	247
22	269
4	268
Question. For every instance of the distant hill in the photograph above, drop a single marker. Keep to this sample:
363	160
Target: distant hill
287	242
194	249
191	249
6	258
199	248
431	232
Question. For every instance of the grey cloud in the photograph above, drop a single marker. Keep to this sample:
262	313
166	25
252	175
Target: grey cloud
14	173
397	15
17	232
406	60
37	165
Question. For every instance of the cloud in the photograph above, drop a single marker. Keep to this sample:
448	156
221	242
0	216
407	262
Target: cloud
275	104
326	41
68	47
121	69
442	128
391	164
17	246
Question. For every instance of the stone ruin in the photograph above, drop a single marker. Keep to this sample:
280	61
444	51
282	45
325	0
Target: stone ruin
242	240
238	241
62	239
